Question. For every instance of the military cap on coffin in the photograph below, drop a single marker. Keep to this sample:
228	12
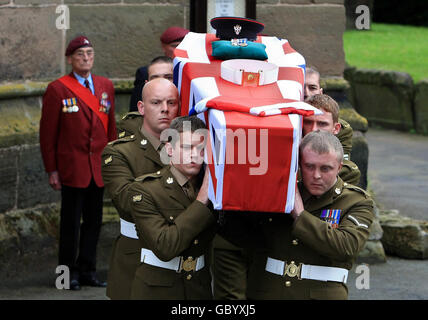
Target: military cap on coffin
77	43
236	28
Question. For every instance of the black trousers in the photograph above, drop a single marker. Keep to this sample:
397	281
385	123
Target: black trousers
77	203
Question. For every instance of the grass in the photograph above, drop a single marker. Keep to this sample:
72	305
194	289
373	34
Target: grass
389	47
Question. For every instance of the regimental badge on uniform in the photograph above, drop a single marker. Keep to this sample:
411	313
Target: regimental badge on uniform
137	198
332	216
108	160
69	105
105	104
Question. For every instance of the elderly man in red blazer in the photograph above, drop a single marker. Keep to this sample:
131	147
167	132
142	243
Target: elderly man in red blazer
76	124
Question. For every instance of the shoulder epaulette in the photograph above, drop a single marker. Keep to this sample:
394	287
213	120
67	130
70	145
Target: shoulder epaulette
122	140
355	188
348	163
343	123
131	115
146	176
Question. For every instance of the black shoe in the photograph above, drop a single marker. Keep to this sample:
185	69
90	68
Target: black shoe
75	284
92	282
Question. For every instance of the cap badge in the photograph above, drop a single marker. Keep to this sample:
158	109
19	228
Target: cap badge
237	29
169	180
86	41
137	198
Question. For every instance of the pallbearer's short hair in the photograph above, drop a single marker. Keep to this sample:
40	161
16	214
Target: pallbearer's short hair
160	59
322	142
325	103
195	123
310	70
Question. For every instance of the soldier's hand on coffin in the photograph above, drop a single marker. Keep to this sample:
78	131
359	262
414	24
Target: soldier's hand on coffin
298	205
203	191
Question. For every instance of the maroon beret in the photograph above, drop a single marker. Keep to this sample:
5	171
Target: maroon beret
77	43
173	34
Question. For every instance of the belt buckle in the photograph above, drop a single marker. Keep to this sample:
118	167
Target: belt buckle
187	265
293	270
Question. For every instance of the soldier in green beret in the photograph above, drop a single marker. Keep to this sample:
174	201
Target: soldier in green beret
174	222
127	158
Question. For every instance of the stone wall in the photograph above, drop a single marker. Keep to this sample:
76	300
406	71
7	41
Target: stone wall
125	33
24	181
313	27
389	98
421	106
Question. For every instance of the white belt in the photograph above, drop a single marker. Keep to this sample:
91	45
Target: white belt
177	264
128	229
306	271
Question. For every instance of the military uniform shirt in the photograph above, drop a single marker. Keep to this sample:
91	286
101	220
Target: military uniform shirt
122	161
170	225
330	232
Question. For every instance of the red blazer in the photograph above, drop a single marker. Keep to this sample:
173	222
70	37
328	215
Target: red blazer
72	143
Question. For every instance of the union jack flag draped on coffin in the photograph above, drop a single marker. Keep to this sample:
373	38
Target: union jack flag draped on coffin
254	119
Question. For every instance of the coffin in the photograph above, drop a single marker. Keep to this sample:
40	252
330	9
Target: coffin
253	111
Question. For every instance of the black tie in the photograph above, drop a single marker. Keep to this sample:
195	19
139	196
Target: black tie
87	84
189	190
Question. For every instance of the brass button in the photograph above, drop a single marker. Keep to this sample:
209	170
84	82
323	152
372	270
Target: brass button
288	283
171	218
189	276
250	77
270	219
196	241
295	242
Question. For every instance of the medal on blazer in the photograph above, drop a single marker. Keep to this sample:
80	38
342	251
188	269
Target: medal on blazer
70	105
105	104
332	216
86	97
